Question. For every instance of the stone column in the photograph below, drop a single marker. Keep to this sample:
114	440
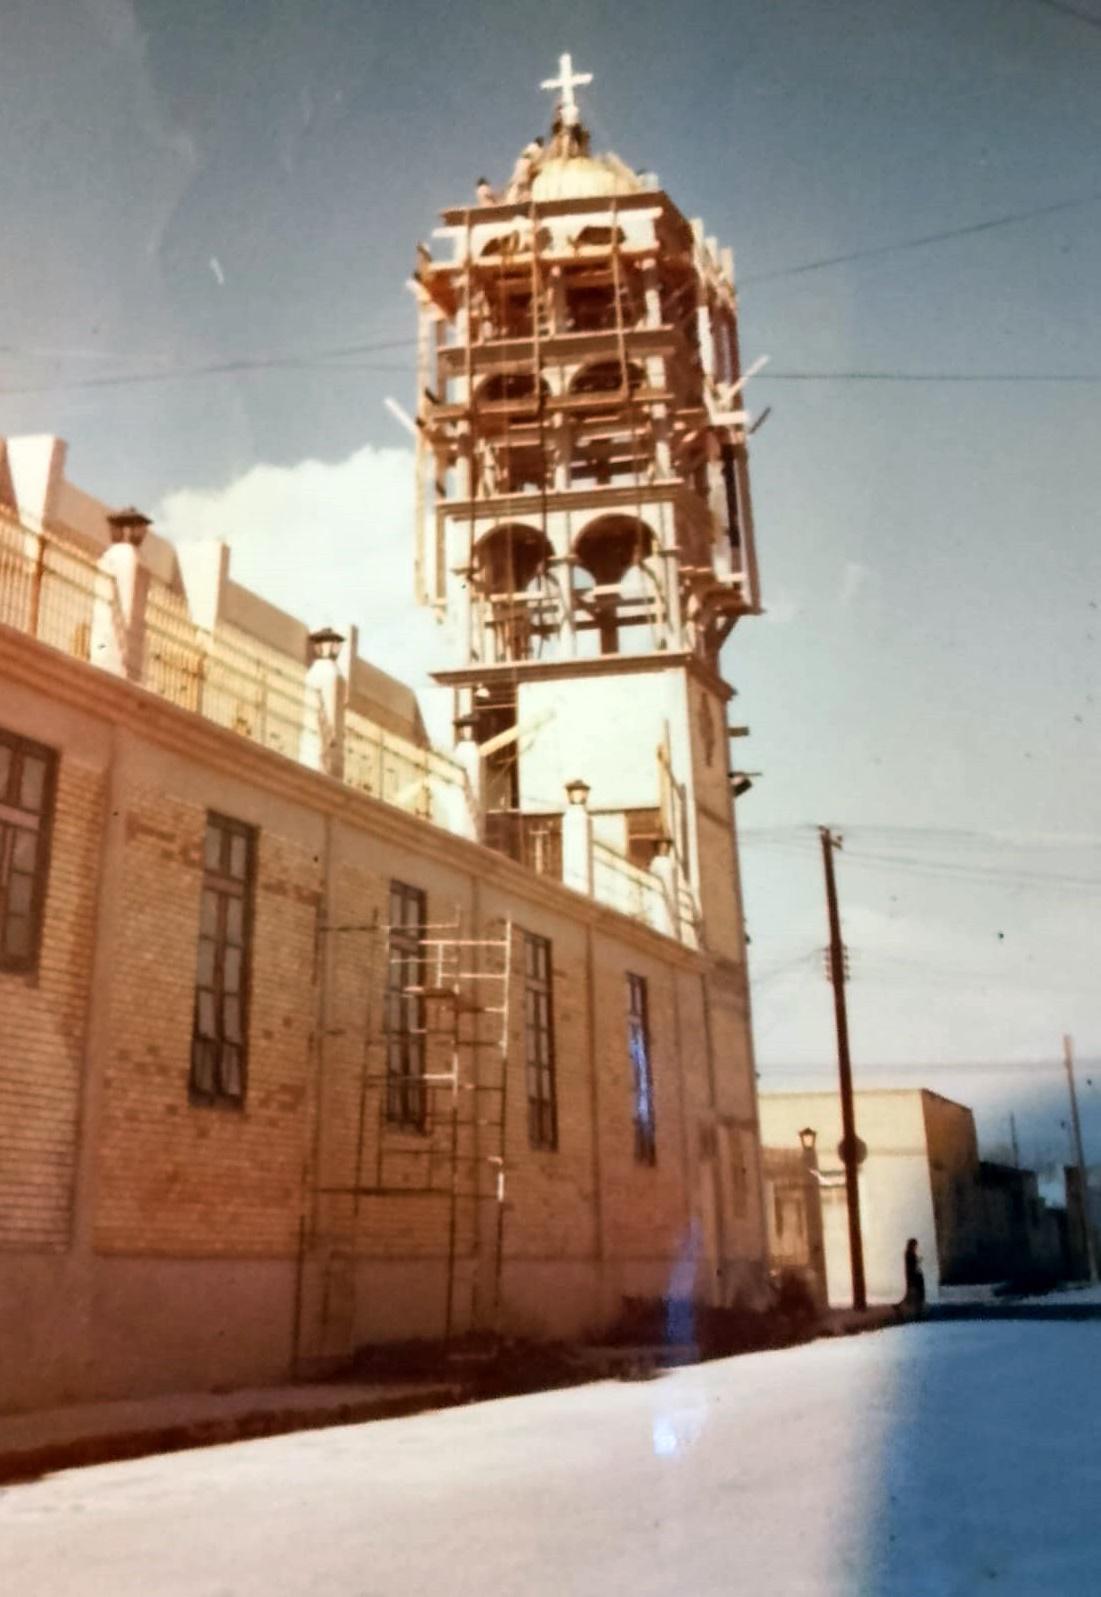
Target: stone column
664	867
812	1203
118	610
577	839
204	567
666	562
558	301
321	744
562	573
707	341
469	815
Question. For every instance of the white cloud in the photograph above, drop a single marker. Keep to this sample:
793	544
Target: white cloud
330	543
853	578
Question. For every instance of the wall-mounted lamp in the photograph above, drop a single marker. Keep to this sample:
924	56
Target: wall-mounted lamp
128	526
326	643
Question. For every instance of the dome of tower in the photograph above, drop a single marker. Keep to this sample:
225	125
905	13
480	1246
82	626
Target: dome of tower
581	177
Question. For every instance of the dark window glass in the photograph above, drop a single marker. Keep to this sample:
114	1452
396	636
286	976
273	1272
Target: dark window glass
406	1101
539	1043
220	1027
27	781
638	1045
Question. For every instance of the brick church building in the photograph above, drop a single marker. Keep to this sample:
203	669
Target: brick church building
313	1034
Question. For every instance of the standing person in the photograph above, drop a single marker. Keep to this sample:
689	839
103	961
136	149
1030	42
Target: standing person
915	1277
528	163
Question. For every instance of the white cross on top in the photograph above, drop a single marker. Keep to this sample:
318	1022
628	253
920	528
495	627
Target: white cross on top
567	80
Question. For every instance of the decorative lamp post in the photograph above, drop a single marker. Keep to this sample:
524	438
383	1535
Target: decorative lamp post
577	838
321	744
117	642
326	643
128	526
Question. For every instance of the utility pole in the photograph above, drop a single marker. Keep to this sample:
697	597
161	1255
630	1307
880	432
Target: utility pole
849	1144
1083	1185
1013	1140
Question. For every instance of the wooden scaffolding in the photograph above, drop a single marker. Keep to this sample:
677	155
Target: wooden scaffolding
428	1121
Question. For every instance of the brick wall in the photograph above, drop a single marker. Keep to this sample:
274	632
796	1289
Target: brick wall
173	1183
186	1179
42	1029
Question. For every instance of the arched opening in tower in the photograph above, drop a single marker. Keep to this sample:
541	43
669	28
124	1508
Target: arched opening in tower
610	429
512	389
595	236
608	377
600	296
610	552
510	565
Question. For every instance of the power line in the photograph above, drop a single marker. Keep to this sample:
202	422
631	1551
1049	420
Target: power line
238	366
324	363
1008	1067
973	838
927	377
1012	219
959	871
962	867
1070	11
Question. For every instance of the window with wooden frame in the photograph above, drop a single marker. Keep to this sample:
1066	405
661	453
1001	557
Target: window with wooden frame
406	1097
539	1062
644	833
638	1046
28	780
219	1039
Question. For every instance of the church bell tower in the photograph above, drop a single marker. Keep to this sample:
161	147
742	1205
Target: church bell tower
584	519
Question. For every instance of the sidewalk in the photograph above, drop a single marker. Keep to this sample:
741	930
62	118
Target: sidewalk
93	1433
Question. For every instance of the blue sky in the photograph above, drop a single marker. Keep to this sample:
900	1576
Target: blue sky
201	184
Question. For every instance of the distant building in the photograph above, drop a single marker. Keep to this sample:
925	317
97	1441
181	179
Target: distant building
793	1215
920	1176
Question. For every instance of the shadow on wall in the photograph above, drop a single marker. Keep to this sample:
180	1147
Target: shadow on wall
983	1482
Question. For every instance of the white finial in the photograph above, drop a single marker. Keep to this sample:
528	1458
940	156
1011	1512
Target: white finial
567	80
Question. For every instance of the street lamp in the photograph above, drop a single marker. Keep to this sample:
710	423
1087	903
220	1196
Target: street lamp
326	643
128	526
807	1139
578	791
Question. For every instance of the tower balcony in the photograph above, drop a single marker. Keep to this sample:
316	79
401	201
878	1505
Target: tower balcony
591	499
569	347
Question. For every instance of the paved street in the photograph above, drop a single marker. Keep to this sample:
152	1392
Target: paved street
936	1459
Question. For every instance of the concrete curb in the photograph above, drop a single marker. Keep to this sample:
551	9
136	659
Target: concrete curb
1013	1311
852	1322
138	1441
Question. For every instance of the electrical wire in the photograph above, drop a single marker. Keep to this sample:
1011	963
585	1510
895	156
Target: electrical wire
922	241
1018	378
1069	10
1035	1068
239	366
